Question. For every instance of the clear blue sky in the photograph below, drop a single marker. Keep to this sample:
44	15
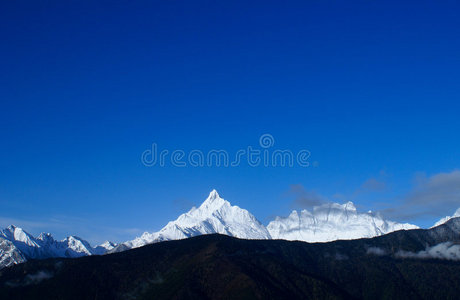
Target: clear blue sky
371	88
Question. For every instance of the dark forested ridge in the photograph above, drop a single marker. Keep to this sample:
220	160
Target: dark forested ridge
222	267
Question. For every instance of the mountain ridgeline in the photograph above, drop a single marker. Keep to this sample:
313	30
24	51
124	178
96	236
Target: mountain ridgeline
215	215
328	222
17	246
407	264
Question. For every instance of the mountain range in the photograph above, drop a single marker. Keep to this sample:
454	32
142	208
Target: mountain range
330	222
324	223
17	246
406	264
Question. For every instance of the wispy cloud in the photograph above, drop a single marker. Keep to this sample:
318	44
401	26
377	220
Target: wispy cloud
31	279
373	184
446	250
437	190
304	198
307	198
31	225
433	196
183	204
377	183
376	251
430	197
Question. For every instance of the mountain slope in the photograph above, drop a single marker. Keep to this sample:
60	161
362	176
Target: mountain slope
214	215
9	254
104	247
25	242
222	267
331	222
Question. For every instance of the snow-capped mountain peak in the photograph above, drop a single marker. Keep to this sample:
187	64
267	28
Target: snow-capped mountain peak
213	202
335	209
447	218
9	254
327	222
331	221
108	245
76	246
45	237
350	206
213	195
17	245
214	215
21	239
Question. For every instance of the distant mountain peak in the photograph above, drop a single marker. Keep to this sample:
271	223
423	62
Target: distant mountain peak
108	245
346	207
213	201
17	245
326	222
14	233
44	236
214	215
213	195
11	227
350	206
447	218
331	221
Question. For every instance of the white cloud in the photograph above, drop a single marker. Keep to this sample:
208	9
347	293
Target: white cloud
376	251
446	250
437	190
304	198
432	196
373	184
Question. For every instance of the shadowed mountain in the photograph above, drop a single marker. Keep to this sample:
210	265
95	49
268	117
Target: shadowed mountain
223	267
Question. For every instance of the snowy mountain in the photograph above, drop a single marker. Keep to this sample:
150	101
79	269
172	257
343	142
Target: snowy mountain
9	254
331	222
215	215
327	222
22	240
447	218
104	247
16	246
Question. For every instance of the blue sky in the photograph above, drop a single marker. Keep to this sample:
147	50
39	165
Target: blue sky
369	88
